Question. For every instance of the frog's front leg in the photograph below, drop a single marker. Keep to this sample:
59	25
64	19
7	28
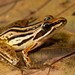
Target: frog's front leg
25	54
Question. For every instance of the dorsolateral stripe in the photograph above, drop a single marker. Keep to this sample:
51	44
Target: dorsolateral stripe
17	36
16	29
23	41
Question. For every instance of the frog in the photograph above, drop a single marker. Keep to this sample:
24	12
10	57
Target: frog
29	38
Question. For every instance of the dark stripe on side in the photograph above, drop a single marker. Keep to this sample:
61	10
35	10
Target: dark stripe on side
19	26
17	30
20	35
24	41
13	30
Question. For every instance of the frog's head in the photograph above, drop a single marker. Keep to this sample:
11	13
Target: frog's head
54	24
49	27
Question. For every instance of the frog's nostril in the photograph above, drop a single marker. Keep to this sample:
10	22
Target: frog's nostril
64	21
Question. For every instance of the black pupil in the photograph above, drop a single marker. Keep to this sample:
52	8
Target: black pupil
46	25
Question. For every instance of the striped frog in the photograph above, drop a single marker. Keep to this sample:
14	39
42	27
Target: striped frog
30	37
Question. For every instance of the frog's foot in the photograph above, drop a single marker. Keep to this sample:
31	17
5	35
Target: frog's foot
27	61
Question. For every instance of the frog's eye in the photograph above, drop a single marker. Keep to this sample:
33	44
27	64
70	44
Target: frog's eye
45	26
48	17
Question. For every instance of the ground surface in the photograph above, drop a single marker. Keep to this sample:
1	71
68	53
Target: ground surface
12	10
